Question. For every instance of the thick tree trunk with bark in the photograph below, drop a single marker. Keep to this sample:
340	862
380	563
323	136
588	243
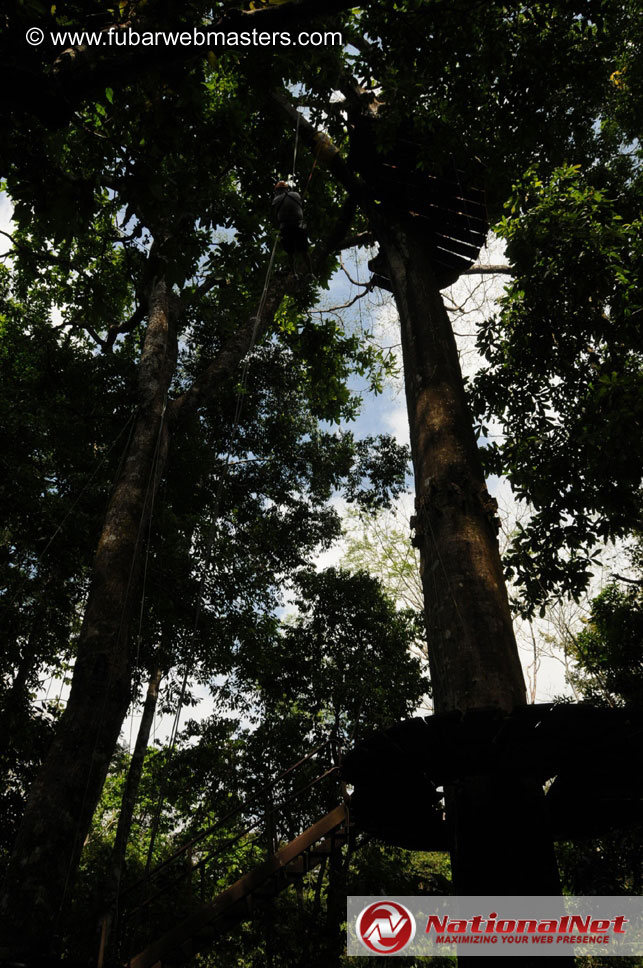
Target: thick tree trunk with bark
64	796
501	841
473	653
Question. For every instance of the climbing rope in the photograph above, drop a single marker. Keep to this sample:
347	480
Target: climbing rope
294	157
315	160
150	489
212	533
241	392
319	145
208	550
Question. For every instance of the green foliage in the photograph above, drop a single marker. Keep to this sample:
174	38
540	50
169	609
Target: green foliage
609	649
344	662
103	204
564	375
378	545
611	865
164	166
341	665
57	461
30	730
518	81
608	670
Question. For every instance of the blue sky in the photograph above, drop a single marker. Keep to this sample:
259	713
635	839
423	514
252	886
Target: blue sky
386	412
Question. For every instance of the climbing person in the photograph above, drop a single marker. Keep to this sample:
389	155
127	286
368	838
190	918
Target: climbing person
288	212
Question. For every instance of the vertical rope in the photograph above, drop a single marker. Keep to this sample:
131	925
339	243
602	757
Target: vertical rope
294	157
209	546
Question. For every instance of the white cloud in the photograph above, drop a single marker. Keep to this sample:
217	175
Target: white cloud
397	423
6	223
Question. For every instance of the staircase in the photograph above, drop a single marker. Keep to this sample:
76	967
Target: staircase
236	903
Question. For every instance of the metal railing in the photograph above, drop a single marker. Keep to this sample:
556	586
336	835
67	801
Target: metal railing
196	870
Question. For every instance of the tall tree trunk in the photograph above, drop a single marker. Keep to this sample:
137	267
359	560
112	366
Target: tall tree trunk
128	802
501	843
501	840
64	796
473	655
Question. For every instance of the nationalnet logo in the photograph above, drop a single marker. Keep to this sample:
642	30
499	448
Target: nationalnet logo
385	927
426	926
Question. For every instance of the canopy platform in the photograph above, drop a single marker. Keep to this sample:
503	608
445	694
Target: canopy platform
445	203
590	760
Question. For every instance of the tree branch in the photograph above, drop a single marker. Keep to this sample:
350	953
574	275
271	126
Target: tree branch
44	256
128	326
630	581
328	154
233	352
489	270
355	282
360	239
94	335
57	89
347	305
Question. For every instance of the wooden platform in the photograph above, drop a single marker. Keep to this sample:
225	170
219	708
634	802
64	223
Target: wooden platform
593	755
445	203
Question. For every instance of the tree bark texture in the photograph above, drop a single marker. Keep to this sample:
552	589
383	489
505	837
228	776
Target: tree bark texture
64	796
501	842
472	649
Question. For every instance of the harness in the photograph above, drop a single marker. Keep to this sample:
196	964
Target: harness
278	204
